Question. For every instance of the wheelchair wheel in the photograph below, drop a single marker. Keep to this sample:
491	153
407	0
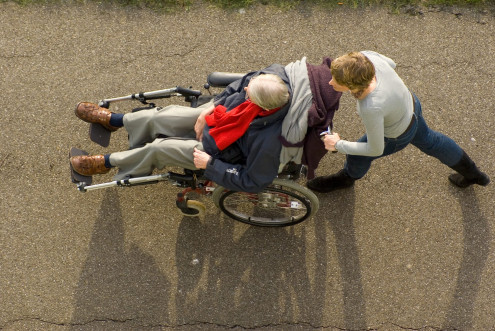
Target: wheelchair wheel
194	208
282	203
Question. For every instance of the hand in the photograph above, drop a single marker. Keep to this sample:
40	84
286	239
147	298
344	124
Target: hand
201	158
330	140
201	122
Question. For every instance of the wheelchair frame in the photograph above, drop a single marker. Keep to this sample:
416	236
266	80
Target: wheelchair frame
283	203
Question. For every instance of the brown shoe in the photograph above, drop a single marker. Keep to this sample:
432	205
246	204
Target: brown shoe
87	165
92	113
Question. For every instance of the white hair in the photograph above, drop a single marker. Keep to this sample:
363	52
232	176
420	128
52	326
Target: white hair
268	91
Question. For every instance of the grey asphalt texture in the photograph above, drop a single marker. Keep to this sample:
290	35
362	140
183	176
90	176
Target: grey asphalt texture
403	249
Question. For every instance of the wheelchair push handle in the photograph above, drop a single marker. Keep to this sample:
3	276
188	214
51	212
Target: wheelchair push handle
187	92
143	97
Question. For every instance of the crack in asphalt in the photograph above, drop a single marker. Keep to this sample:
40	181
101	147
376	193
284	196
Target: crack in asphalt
384	326
149	54
42	320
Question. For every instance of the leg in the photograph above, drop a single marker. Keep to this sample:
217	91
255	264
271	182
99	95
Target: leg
145	125
436	144
172	121
449	153
140	161
156	155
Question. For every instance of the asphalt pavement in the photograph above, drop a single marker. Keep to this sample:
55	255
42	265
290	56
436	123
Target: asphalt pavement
401	250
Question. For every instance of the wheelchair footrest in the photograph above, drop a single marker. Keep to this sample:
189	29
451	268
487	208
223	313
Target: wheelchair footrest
99	134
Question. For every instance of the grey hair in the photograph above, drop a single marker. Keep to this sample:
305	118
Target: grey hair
268	91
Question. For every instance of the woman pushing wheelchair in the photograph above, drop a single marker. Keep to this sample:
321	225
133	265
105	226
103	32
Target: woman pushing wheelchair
238	138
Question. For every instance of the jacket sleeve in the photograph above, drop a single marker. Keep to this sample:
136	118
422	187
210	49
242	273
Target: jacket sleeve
259	171
374	144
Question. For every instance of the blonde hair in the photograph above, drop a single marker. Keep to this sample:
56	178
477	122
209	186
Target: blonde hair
353	70
268	91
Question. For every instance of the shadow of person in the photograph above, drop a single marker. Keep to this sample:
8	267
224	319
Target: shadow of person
476	241
337	209
255	277
117	285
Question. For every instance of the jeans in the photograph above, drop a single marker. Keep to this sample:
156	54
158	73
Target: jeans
420	135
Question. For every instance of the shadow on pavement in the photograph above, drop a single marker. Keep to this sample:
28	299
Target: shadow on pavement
258	279
341	218
262	277
118	285
477	239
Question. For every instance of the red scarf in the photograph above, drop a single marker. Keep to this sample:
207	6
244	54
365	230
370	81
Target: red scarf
227	127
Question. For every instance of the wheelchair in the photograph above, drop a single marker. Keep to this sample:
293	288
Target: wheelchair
284	202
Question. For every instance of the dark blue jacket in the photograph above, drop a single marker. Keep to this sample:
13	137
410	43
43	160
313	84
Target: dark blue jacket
251	163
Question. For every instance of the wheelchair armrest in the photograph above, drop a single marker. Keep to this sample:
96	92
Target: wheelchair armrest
223	79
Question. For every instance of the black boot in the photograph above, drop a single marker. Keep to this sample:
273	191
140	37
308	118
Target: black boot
325	184
468	173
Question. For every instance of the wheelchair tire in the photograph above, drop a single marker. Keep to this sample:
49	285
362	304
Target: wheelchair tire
282	203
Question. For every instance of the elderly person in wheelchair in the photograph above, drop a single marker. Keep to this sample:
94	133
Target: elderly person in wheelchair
264	120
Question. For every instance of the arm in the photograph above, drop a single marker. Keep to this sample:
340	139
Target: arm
375	139
201	122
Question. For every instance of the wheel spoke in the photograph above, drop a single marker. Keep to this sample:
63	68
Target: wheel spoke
274	208
280	204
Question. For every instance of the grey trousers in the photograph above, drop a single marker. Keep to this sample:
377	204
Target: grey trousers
147	152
